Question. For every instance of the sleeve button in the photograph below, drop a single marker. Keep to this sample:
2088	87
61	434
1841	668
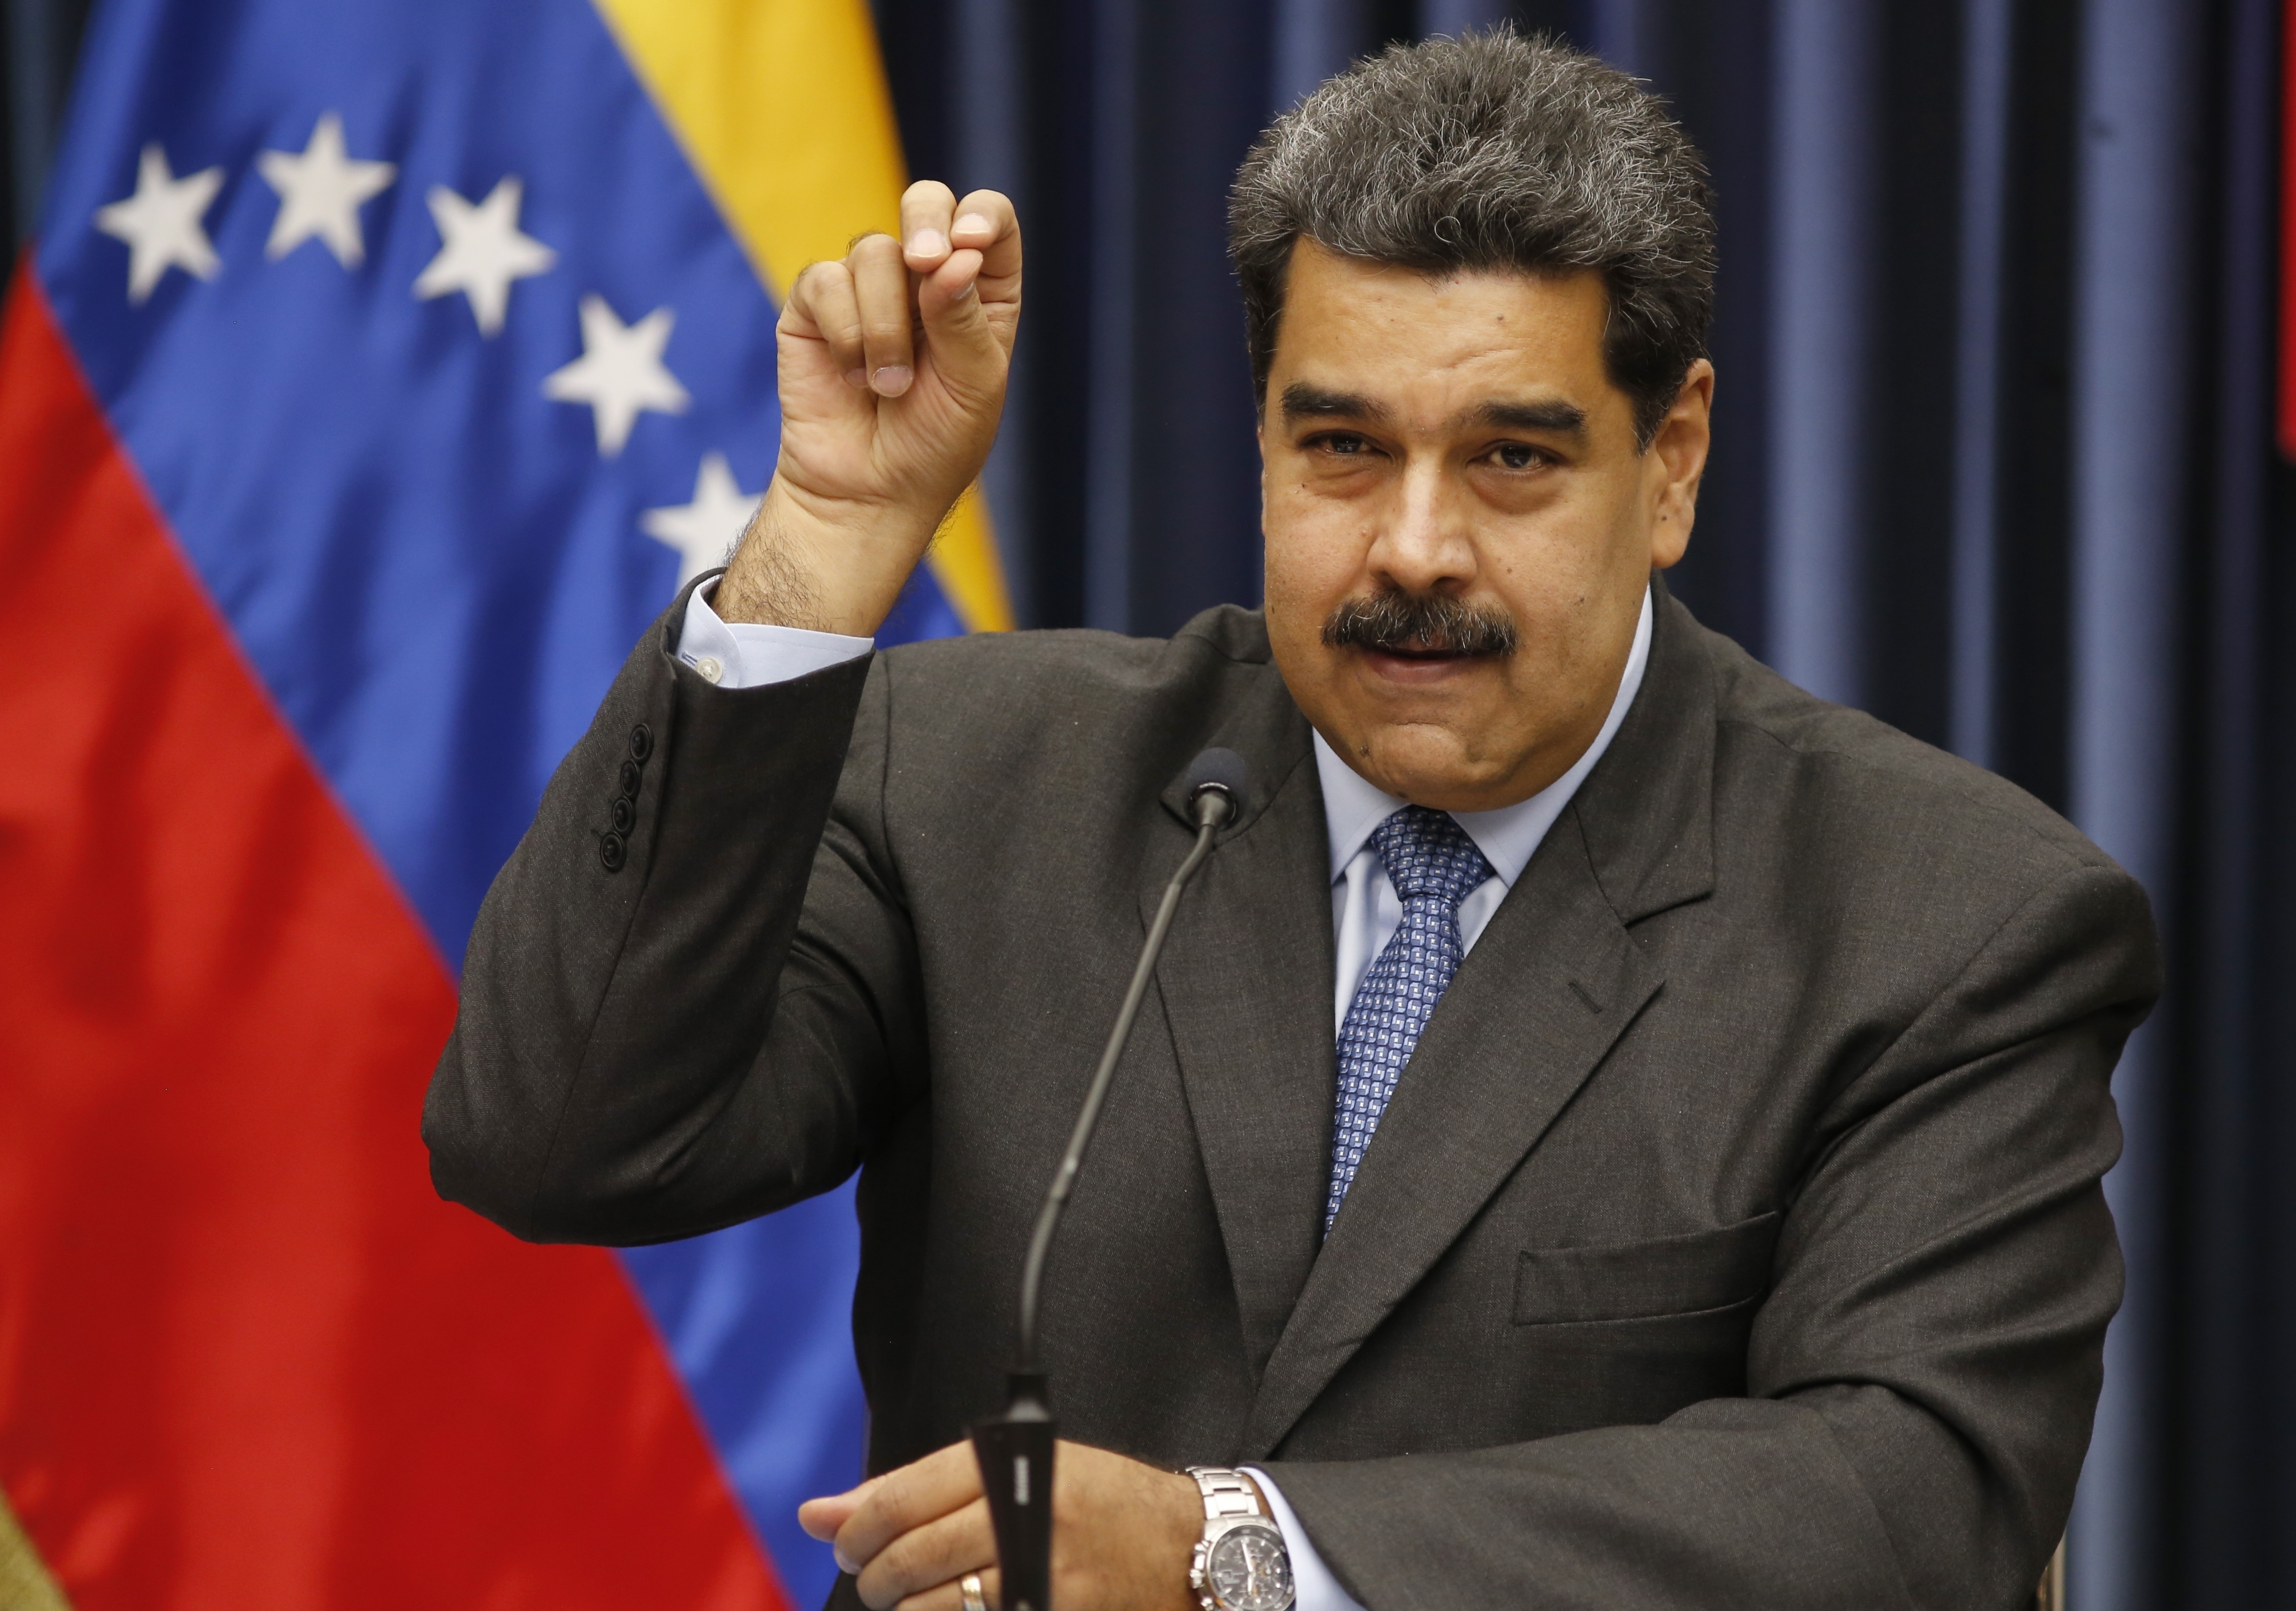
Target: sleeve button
613	852
625	814
630	779
641	743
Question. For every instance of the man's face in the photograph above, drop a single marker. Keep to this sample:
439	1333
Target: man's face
1459	525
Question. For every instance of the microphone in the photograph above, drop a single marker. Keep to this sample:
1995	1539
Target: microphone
1015	1449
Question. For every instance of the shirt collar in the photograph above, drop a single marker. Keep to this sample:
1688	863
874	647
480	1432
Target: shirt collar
1353	806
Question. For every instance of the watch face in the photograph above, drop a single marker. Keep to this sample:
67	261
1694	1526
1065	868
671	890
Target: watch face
1248	1569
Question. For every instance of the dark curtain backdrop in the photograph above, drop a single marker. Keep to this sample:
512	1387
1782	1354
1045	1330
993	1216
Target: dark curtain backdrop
1995	459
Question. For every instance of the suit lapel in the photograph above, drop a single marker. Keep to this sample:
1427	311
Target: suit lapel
1246	986
1550	985
1546	990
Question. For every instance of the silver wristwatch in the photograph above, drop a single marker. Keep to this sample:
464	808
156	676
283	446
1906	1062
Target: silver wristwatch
1241	1563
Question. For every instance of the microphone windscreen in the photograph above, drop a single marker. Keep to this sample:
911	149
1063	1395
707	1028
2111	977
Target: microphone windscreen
1217	769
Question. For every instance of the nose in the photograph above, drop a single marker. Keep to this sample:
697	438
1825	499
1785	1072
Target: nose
1423	545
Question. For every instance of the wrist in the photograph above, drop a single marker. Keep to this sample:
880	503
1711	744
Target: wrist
1240	1562
1177	1535
825	566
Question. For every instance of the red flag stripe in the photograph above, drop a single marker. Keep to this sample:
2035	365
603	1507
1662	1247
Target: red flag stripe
247	1357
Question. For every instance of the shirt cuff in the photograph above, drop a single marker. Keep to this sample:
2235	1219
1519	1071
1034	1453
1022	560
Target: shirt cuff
747	654
1313	1586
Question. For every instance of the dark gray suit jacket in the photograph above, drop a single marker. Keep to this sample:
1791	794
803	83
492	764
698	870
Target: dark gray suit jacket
1733	1239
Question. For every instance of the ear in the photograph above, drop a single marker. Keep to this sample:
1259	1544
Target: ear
1676	460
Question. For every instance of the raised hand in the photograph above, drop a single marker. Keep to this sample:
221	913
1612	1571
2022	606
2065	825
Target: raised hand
893	363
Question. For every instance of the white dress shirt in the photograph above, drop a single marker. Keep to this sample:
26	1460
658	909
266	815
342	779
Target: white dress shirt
1365	912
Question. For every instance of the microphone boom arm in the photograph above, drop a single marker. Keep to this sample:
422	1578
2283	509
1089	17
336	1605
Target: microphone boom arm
1015	1449
1057	1199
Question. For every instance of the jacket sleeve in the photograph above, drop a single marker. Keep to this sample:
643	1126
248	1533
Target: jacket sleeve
698	1005
1922	1376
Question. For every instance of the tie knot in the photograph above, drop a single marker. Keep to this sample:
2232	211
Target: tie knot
1427	853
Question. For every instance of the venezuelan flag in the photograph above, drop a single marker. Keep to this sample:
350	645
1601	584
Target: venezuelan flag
379	374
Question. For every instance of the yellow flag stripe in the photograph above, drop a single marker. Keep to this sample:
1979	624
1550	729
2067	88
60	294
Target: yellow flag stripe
781	108
25	1584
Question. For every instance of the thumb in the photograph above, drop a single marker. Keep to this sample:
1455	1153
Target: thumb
824	1517
966	352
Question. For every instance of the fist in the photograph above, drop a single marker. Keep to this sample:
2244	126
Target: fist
892	370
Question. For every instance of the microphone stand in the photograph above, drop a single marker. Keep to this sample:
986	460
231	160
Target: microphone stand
1015	1448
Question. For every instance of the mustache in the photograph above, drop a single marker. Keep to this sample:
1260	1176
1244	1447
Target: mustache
1397	622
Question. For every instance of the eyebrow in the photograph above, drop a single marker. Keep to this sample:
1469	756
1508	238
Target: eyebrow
1554	415
1303	401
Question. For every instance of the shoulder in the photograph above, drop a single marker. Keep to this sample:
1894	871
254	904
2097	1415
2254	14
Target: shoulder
1224	634
1854	872
1853	851
1077	715
991	679
1840	779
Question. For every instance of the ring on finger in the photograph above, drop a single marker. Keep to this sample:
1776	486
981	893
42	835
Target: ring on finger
969	1591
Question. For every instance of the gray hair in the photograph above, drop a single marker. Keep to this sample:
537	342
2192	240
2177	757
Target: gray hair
1491	152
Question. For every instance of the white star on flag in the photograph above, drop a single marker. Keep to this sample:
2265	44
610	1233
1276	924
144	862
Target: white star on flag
320	193
704	531
619	373
161	223
483	250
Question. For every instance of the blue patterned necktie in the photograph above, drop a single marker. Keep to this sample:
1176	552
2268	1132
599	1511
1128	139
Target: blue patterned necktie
1433	866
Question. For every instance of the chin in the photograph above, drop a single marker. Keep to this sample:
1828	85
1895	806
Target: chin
1428	766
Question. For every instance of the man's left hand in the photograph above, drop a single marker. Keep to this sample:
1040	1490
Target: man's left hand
1123	1533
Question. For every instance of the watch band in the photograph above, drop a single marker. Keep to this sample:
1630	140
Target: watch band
1228	1494
1233	1512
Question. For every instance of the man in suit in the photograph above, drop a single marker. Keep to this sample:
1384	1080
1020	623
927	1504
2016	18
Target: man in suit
1609	1130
